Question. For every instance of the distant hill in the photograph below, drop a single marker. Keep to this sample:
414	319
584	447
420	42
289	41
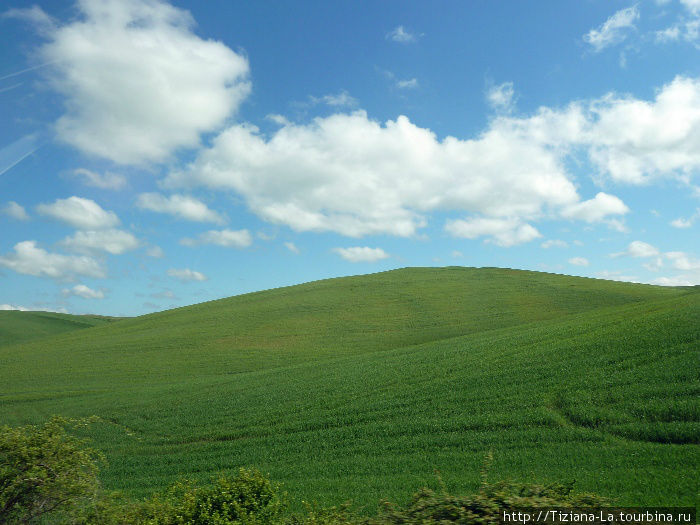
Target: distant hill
360	387
19	327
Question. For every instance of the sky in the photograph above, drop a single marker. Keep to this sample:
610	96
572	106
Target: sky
155	155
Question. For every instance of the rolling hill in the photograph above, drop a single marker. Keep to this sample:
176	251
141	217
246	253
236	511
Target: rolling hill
358	388
19	327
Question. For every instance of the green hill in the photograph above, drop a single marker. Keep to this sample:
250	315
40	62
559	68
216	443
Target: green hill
19	327
359	388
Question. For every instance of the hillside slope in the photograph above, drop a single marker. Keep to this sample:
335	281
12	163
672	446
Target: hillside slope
19	327
333	317
358	388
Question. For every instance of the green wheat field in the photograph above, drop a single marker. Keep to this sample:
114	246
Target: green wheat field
361	388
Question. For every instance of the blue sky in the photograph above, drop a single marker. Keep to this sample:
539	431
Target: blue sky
156	154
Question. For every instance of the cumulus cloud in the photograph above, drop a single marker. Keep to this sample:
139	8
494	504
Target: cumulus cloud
596	209
111	241
227	238
680	222
579	261
351	175
16	211
638	249
688	266
80	290
614	30
81	213
138	83
105	181
500	97
30	259
182	206
682	261
401	35
503	232
634	140
361	254
186	274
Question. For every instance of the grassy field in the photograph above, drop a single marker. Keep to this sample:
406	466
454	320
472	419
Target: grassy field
359	388
19	327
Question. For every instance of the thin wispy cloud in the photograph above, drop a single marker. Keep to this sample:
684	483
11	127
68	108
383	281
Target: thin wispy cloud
15	152
401	35
358	254
614	30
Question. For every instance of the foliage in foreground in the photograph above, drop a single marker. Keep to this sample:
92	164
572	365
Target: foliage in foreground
45	471
49	476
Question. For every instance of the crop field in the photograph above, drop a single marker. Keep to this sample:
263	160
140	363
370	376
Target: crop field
360	388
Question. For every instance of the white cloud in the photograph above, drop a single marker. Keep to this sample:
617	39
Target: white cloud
503	232
685	30
80	290
687	265
579	261
596	209
35	16
399	34
500	97
617	276
558	243
16	211
407	84
681	222
692	5
106	181
78	212
670	34
655	265
681	261
678	280
338	100
155	252
137	82
614	30
186	274
638	249
14	307
349	174
29	259
634	140
291	247
111	241
182	206
361	254
228	238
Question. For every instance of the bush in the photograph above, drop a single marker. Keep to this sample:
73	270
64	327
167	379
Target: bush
48	476
247	498
484	507
45	472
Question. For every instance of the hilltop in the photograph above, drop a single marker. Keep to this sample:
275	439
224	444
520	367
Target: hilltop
360	387
18	326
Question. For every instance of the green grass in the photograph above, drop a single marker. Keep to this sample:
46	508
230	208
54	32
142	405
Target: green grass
359	388
19	327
